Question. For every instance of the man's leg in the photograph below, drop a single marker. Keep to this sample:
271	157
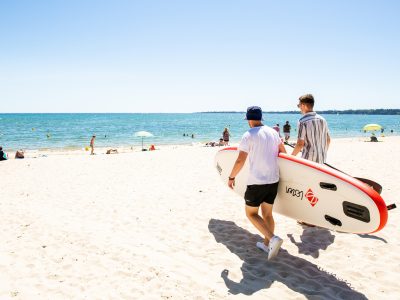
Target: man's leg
266	210
258	222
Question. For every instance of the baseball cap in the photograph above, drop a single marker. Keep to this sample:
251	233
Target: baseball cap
254	113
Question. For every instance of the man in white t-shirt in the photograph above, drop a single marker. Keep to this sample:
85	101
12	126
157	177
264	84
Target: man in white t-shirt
261	145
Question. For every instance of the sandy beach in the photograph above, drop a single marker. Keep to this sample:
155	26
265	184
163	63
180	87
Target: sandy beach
161	225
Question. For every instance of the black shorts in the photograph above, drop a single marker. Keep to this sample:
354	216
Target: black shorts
259	193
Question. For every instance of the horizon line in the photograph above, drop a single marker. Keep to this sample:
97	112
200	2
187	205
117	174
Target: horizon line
218	111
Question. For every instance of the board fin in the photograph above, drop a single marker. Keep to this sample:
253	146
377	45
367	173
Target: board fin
374	185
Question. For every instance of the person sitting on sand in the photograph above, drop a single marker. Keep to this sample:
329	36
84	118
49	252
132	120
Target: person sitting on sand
20	154
3	155
214	144
211	144
112	151
373	138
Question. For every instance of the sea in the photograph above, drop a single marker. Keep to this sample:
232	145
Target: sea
74	130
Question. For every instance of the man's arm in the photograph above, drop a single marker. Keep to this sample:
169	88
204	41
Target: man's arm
299	146
241	159
328	139
282	148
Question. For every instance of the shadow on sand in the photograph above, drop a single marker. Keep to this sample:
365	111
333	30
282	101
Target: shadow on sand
296	273
312	240
372	237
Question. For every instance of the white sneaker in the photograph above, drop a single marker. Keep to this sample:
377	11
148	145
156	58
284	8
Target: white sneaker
262	246
273	247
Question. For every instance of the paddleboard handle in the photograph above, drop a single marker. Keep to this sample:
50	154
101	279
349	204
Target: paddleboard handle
391	206
333	221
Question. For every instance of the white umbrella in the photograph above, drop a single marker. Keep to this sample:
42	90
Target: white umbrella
143	134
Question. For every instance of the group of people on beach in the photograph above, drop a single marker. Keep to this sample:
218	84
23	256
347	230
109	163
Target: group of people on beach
19	154
223	141
286	130
261	145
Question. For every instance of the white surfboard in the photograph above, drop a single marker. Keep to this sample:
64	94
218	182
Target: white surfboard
315	194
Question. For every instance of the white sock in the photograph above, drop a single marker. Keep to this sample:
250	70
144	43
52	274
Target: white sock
262	246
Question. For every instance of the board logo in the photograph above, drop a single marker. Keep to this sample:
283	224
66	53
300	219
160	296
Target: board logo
311	197
295	192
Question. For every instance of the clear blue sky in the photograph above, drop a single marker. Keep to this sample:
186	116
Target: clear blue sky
185	56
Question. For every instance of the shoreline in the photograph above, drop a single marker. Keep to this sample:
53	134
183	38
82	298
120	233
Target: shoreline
131	149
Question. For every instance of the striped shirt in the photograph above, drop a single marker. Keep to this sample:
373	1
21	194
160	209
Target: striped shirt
313	130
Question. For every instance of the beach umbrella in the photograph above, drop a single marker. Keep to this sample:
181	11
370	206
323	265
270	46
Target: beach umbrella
372	127
143	134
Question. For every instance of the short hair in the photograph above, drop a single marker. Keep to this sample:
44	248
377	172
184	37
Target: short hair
307	99
1	148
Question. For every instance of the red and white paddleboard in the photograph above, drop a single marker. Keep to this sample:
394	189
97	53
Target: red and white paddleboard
316	194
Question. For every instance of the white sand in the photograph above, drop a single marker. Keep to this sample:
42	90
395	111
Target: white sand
160	225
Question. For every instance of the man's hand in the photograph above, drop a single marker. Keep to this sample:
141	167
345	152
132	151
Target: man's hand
231	183
241	159
299	146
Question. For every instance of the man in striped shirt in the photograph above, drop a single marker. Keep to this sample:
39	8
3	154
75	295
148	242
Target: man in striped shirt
313	135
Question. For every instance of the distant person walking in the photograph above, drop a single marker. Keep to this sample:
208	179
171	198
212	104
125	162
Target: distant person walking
92	144
225	136
277	129
261	145
286	131
313	134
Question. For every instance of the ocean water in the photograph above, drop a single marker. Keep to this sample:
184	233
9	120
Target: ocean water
73	131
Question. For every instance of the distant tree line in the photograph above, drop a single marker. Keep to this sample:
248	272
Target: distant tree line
379	111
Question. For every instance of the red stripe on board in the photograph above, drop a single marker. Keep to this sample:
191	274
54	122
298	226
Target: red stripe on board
229	148
378	200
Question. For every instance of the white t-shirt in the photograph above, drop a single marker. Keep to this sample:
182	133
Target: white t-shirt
262	145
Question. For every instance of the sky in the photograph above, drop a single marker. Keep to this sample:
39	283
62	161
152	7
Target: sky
191	56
